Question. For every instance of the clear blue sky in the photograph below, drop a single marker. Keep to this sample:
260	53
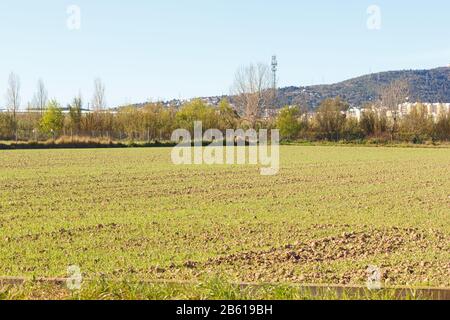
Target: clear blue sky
148	49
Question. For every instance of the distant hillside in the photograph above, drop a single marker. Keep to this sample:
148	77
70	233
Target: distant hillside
425	86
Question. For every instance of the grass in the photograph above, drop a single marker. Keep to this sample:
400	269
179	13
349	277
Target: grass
80	142
130	214
77	142
214	289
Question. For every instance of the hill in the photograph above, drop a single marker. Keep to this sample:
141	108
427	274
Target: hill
425	86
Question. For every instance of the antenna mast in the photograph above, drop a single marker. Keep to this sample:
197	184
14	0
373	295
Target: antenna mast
274	72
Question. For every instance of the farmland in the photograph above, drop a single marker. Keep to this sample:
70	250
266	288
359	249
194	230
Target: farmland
131	214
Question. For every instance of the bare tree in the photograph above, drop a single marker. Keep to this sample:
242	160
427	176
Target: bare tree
40	97
98	100
252	91
13	94
391	97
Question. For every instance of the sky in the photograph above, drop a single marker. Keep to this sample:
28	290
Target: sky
147	50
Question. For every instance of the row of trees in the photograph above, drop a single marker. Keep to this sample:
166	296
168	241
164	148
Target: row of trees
40	99
154	122
11	125
331	122
149	123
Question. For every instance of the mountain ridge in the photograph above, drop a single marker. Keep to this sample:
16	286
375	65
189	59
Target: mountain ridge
431	85
427	85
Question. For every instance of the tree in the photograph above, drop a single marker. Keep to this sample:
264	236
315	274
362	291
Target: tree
98	99
288	122
40	97
13	95
352	130
252	90
151	114
228	117
331	118
53	119
368	122
196	111
372	122
442	127
391	97
167	123
130	121
417	125
6	126
75	113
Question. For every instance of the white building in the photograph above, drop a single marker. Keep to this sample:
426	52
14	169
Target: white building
433	109
354	113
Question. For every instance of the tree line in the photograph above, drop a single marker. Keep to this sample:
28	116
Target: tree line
331	123
155	122
46	119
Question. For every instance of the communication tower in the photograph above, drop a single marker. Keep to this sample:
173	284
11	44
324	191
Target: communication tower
274	71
